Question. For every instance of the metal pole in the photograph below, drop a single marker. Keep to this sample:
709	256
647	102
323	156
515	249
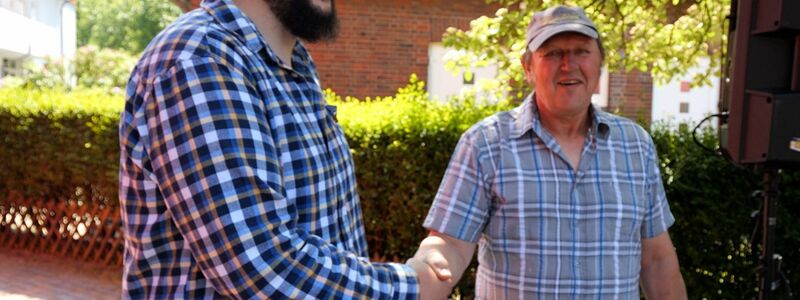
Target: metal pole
767	268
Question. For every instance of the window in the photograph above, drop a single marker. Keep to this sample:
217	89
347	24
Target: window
15	6
468	79
11	67
684	107
685	86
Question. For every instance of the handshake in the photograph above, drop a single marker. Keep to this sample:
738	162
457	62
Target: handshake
439	263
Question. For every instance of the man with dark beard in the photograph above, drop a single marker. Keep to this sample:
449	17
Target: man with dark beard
235	179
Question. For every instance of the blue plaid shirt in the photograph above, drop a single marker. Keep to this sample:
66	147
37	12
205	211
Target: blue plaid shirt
545	230
235	179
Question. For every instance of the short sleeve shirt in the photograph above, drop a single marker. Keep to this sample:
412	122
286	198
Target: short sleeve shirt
544	229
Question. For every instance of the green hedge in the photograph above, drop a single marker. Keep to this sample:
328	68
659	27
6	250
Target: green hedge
712	202
401	146
58	146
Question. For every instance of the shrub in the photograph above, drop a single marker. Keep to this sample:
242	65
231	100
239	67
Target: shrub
103	67
49	74
92	68
54	144
60	146
401	146
712	203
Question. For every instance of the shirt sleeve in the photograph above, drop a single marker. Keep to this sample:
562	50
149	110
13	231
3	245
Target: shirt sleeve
461	206
214	156
658	217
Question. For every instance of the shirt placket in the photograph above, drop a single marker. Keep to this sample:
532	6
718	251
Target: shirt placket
586	160
329	145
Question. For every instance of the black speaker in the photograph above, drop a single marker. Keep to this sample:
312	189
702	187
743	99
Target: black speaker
761	84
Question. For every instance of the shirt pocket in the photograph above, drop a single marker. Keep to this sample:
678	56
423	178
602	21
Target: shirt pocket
616	215
522	211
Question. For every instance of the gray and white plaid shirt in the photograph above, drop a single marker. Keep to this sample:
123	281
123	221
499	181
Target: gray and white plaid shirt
545	230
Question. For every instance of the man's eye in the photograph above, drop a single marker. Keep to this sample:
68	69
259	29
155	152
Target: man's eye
582	52
553	54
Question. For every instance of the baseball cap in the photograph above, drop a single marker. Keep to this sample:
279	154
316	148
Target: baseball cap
545	24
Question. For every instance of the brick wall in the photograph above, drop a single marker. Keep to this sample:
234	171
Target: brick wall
382	42
631	94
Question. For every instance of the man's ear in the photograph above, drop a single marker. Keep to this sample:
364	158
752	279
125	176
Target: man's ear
527	67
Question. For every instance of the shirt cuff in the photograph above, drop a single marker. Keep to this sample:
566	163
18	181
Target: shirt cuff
406	285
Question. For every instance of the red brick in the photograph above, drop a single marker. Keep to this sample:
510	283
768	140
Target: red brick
632	94
382	42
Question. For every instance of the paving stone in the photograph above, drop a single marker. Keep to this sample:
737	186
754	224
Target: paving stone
28	276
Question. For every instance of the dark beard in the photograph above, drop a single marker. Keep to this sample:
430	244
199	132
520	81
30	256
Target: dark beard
305	20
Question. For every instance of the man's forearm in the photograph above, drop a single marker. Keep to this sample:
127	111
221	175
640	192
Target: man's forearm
661	275
663	280
446	255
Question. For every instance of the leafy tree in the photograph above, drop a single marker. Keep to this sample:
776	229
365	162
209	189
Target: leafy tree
93	67
663	37
123	24
103	67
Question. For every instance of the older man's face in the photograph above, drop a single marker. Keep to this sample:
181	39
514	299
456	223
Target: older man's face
566	71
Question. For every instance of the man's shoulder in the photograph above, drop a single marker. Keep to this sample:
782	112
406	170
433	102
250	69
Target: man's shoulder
494	128
624	129
194	35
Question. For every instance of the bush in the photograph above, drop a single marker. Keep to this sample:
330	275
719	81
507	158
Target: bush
712	203
401	146
103	68
62	146
92	68
56	144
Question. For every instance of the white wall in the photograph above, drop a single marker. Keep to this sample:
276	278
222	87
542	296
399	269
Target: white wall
702	100
37	32
442	84
600	97
69	29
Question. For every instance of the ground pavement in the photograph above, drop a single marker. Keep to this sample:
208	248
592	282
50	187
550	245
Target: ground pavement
26	276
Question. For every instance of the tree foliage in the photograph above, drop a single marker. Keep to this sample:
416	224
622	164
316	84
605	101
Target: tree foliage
93	68
103	67
123	24
663	37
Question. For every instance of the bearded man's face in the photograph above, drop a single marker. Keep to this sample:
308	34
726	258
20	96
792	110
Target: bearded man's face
306	20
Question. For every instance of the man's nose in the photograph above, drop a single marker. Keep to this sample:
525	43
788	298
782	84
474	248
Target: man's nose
568	60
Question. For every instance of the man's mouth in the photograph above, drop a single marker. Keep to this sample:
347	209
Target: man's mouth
569	82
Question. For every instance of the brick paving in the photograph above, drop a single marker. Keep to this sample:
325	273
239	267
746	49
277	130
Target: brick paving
27	276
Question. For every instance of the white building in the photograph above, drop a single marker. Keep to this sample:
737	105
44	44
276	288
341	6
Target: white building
443	84
35	29
679	102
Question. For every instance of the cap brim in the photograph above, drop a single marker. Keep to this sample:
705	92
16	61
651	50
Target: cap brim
549	32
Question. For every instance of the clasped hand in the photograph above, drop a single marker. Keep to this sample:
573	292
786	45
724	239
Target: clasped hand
433	273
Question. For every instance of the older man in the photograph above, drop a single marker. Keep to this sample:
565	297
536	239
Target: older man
564	200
